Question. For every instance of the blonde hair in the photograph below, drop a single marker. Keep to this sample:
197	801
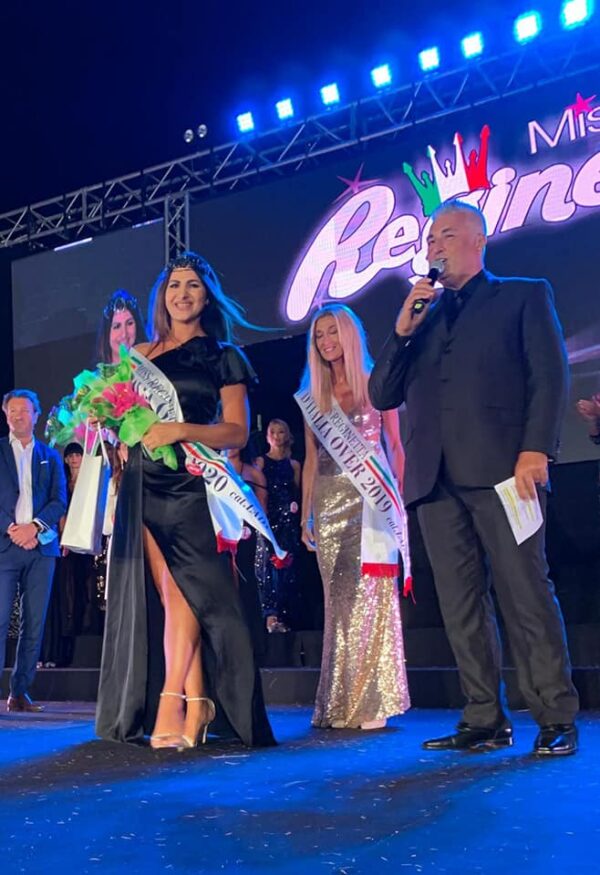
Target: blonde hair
357	361
283	424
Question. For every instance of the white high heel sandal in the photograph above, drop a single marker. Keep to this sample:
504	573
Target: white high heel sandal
203	729
177	740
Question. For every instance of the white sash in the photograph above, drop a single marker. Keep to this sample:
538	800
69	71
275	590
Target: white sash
230	500
384	523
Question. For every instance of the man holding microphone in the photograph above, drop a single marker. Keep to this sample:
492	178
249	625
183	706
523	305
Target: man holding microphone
482	369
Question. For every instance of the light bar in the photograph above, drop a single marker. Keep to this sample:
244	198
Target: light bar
330	94
575	13
381	76
285	109
472	45
245	122
429	59
527	26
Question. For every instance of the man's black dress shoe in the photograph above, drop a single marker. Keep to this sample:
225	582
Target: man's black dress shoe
23	703
473	738
556	740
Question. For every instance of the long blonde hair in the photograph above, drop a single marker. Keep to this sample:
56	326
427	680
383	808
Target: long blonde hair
357	360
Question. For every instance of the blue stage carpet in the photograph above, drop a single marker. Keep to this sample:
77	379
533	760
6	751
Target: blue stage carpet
323	801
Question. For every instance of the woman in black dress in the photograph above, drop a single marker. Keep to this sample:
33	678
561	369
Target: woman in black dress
176	641
282	473
73	609
245	557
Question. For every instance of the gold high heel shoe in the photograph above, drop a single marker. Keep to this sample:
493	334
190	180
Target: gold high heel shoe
177	742
203	728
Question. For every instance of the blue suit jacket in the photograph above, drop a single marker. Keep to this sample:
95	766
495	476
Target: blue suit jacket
48	487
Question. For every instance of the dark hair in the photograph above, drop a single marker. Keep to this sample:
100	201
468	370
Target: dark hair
23	393
221	316
71	448
118	301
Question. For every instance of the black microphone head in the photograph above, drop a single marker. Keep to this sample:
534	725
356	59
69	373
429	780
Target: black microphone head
436	269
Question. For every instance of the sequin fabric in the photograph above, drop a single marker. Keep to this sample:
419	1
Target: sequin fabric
278	586
363	672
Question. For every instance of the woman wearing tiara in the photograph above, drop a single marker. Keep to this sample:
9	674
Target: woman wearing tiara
176	645
363	675
121	325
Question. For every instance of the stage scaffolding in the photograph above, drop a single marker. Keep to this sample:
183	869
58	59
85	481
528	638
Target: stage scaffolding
167	190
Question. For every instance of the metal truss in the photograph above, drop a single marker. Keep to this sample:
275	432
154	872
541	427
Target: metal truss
177	224
166	190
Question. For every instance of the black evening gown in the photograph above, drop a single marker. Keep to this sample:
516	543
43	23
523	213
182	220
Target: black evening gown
278	586
249	594
173	506
73	608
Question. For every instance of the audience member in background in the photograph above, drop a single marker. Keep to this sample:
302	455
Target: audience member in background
589	409
32	501
277	586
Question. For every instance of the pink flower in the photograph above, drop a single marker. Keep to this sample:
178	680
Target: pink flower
123	397
79	432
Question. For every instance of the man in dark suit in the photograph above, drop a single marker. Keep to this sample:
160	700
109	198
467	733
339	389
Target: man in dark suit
482	370
32	501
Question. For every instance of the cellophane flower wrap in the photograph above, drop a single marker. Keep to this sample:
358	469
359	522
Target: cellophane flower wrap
108	395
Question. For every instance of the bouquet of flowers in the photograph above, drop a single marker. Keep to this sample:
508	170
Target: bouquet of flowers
108	395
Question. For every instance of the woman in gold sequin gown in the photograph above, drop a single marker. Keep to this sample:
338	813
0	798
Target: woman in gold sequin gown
363	675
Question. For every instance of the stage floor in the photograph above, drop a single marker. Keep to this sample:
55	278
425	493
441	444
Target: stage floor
323	801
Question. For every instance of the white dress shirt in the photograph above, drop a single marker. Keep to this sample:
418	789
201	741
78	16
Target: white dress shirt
23	456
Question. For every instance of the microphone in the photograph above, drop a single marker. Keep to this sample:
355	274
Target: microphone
436	269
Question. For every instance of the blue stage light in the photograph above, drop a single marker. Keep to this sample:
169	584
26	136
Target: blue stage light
245	122
576	12
472	45
381	76
429	59
527	26
285	109
330	94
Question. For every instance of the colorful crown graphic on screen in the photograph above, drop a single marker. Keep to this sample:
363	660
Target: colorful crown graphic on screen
447	182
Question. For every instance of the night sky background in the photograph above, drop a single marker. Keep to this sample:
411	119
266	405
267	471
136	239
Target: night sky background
91	91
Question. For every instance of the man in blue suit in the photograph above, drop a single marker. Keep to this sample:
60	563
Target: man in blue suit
32	500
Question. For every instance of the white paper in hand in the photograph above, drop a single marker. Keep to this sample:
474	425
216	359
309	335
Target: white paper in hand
524	516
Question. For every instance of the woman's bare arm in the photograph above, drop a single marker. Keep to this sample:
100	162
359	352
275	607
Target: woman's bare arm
308	481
